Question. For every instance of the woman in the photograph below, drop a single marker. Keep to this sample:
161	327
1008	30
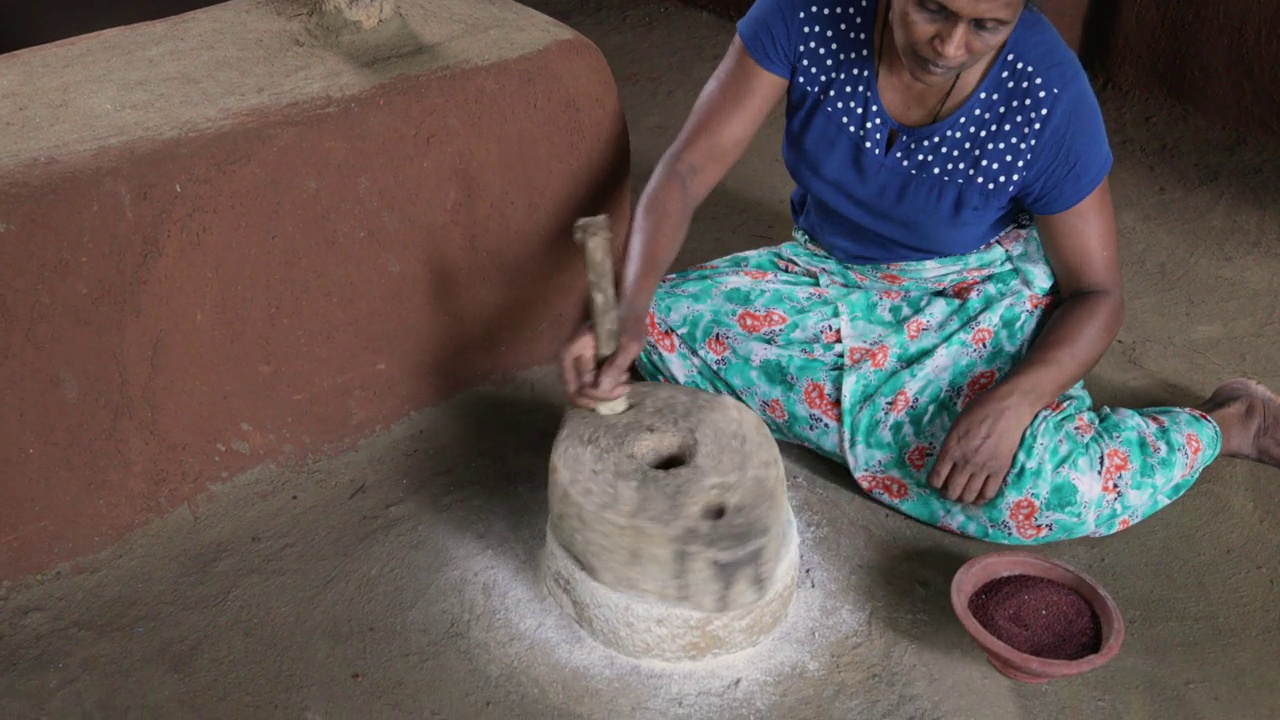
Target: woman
951	278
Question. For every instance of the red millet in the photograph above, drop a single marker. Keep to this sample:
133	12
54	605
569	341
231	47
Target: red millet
1038	616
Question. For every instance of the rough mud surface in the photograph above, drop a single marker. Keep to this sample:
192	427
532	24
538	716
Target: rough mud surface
398	581
282	52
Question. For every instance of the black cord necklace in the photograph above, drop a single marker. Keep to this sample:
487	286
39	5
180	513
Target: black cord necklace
880	53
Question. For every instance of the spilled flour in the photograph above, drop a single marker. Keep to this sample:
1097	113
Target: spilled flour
525	622
399	580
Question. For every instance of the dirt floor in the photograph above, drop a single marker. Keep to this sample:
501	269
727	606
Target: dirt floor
400	580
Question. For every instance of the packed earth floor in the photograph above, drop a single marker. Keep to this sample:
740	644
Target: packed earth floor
399	580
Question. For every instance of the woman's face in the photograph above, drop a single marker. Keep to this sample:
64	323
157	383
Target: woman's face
938	39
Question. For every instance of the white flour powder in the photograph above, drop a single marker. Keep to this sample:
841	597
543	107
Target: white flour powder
528	639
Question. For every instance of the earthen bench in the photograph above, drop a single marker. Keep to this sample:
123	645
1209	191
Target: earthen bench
242	235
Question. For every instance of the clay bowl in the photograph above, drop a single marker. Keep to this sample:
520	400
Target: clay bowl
1013	663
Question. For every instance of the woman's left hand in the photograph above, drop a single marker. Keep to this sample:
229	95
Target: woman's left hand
976	457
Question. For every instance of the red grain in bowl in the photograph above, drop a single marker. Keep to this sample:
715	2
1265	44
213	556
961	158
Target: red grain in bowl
1038	616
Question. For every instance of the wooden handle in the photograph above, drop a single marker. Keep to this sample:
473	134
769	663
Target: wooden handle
596	237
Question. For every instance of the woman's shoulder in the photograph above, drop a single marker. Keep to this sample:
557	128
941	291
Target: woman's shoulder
1037	43
811	13
783	34
1038	80
1044	85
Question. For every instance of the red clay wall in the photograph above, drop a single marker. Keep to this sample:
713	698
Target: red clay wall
177	312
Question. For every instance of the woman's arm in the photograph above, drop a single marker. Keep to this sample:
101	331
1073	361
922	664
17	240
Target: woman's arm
733	105
726	117
1082	249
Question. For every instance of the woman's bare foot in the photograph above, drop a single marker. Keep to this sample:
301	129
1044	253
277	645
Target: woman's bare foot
1249	415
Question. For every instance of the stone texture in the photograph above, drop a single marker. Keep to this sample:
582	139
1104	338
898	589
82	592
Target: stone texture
680	503
643	628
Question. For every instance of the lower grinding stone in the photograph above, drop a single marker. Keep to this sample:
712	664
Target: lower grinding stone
647	628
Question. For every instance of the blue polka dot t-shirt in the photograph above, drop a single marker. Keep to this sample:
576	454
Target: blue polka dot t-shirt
1030	138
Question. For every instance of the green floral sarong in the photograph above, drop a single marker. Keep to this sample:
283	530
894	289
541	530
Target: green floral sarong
869	366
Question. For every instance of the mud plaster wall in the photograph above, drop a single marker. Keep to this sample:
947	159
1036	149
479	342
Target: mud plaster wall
1218	58
177	312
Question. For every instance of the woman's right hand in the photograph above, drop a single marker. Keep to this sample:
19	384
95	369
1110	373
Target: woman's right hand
586	385
728	113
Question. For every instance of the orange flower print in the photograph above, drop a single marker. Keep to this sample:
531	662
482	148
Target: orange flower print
717	346
750	322
1195	446
1029	531
756	274
703	266
753	322
1023	510
817	399
886	485
1022	513
901	402
880	357
915	328
979	384
891	279
666	341
1039	302
776	410
963	290
891	294
919	457
831	335
1084	428
982	336
1115	464
1124	524
1159	422
1056	407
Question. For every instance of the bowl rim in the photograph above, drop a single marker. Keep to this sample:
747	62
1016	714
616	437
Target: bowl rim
1024	661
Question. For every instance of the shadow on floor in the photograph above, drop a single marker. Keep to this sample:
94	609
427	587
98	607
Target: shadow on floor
499	442
917	583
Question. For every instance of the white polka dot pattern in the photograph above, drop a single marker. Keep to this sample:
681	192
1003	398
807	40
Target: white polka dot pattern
989	141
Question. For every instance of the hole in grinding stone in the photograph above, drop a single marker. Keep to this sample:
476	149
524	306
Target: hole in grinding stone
668	462
714	511
663	451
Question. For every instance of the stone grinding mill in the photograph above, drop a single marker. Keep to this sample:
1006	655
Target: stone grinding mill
670	535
